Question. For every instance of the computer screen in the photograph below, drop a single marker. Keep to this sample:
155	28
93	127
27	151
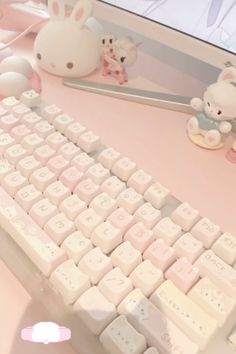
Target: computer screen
213	21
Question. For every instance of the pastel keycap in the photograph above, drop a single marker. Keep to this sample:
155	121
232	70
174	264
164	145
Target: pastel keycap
113	186
28	196
30	98
20	110
225	247
19	132
69	150
157	195
31	119
9	121
57	192
56	140
14	181
82	161
57	164
103	204
71	176
76	246
106	236
130	200
160	254
140	181
206	232
59	227
42	211
189	247
87	190
72	206
44	153
87	220
28	165
167	230
97	173
126	257
124	168
108	157
74	130
121	219
139	236
43	128
50	112
185	216
31	142
148	215
62	121
15	153
5	142
42	178
89	141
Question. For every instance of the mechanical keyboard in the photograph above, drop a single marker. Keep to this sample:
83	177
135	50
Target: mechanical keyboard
109	251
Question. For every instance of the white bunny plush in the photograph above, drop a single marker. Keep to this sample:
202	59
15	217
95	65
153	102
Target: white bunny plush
211	125
65	46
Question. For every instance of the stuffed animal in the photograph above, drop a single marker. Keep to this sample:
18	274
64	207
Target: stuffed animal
212	123
124	54
65	46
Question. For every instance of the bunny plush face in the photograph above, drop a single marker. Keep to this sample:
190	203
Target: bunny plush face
220	98
125	51
65	46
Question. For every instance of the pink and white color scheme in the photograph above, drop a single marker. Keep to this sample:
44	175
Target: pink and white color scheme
45	332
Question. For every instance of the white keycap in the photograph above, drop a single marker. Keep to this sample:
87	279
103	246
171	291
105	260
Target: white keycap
139	236
8	122
187	246
14	181
31	142
42	211
5	168
59	227
151	350
42	178
28	165
97	173
73	131
157	195
56	140
124	168
167	230
15	153
44	153
9	102
106	236
30	98
69	281
82	161
113	186
72	206
95	264
103	204
120	337
20	110
146	277
95	310
62	121
28	196
158	330
185	216
126	257
87	221
31	119
140	181
5	142
43	128
130	200
206	232
115	286
108	157
43	252
219	272
188	316
57	192
148	215
76	246
225	248
89	141
214	301
69	151
50	112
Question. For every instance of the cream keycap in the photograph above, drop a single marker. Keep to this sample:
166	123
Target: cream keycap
42	211
185	216
14	181
69	150
157	195
5	142
225	248
148	215
59	227
30	98
43	129
62	121
44	153
167	230
31	142
15	153
120	337
103	204
71	177
106	236
213	300
56	140
108	157
158	330
130	200
115	286
97	173
72	206
139	236
28	196
57	192
140	181
73	131
76	246
50	112
28	165
95	310
31	119
87	221
189	247
126	257
5	168
69	281
89	142
82	161
206	232
113	186
124	168
186	314
42	178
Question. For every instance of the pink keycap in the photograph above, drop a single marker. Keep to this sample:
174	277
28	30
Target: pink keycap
43	128
139	236
56	140
71	177
31	119
57	192
44	153
121	219
28	165
161	255
8	122
42	177
19	132
28	196
57	164
42	211
183	274
87	190
82	161
13	182
15	153
59	227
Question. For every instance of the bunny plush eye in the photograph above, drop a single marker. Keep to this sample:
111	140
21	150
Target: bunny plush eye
103	41
110	41
219	112
208	103
39	56
69	65
122	59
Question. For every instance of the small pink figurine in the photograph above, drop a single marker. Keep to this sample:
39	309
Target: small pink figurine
124	54
106	50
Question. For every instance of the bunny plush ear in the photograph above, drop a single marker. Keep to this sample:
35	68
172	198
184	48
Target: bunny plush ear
228	74
56	9
81	12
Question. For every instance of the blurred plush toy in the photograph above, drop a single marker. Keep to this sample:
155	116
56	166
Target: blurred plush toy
212	122
121	55
106	49
231	154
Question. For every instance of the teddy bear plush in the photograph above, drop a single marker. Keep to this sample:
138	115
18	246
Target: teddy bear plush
210	126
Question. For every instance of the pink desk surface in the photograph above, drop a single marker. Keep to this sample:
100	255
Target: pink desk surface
152	137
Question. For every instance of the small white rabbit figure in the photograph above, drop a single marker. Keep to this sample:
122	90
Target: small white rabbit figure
211	125
106	49
125	54
65	46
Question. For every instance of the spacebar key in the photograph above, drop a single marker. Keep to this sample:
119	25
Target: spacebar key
43	252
